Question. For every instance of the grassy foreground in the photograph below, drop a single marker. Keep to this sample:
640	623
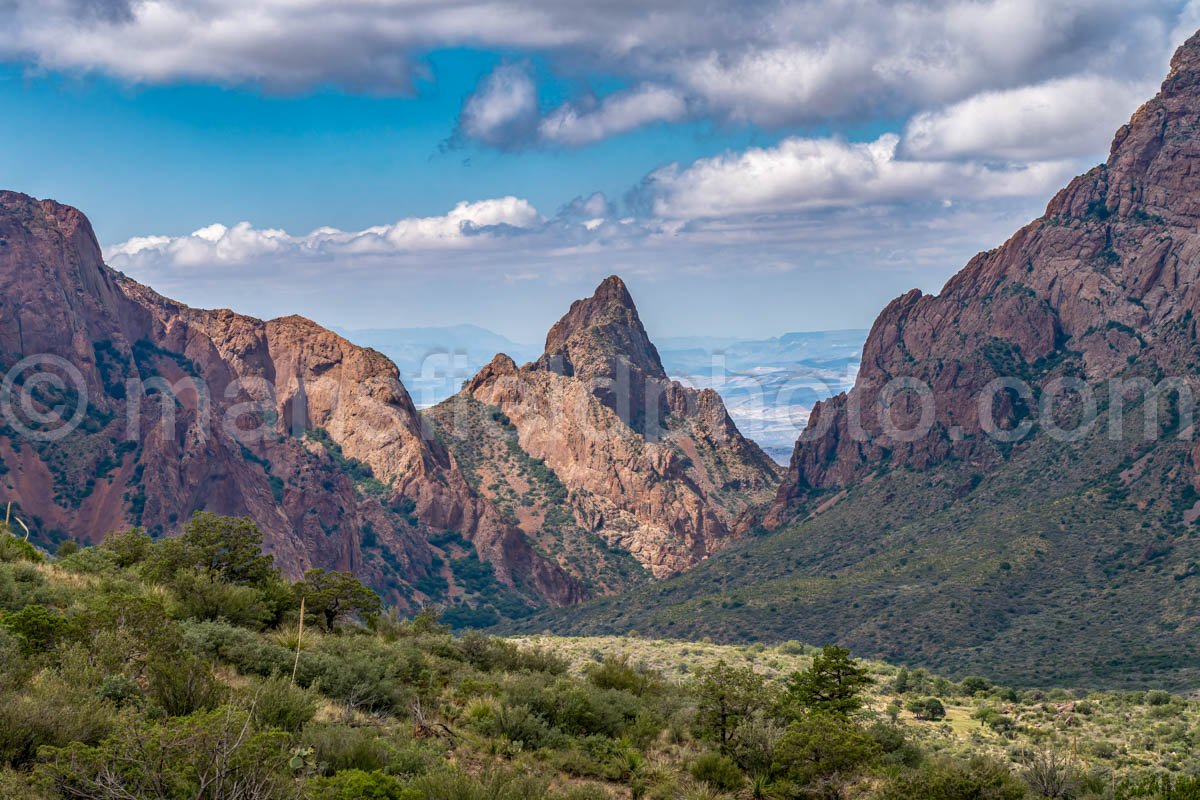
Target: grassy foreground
1110	733
177	669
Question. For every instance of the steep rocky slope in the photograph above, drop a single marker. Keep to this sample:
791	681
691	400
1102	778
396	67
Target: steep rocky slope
625	458
182	409
1103	285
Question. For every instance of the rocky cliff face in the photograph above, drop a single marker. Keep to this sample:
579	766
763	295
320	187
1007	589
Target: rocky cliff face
649	467
1103	285
182	409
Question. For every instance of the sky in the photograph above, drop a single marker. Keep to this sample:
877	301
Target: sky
749	167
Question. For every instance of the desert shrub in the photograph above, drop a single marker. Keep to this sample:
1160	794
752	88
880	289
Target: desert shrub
176	758
1159	787
534	659
517	724
36	627
91	561
579	709
1001	723
119	690
199	595
753	743
895	747
50	712
1102	748
337	748
17	784
718	771
361	671
14	549
127	622
183	685
16	668
237	646
1157	697
364	672
592	757
978	779
279	704
1049	775
615	672
355	784
490	654
451	784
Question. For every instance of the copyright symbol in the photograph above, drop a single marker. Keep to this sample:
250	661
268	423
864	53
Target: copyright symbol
43	397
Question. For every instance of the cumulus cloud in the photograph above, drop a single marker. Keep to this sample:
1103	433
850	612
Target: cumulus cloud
800	174
503	109
467	225
503	112
616	113
1056	119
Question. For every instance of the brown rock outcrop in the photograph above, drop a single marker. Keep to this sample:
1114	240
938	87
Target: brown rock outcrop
1105	284
652	467
186	409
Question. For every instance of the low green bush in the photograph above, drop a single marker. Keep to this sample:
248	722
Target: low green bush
718	771
279	704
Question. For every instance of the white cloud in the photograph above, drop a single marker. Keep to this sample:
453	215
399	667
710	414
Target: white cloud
1057	119
616	113
826	60
799	175
503	109
478	224
772	62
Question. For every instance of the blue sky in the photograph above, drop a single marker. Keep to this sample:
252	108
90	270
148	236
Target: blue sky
757	168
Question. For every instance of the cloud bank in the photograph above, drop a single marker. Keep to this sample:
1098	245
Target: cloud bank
773	63
467	226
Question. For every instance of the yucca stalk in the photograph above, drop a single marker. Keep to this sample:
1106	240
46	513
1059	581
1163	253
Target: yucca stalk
9	519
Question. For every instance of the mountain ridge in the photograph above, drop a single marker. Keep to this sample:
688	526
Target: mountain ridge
279	379
1110	262
652	467
1048	535
318	441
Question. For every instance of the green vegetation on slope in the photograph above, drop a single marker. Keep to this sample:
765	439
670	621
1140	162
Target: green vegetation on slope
177	669
529	494
1071	563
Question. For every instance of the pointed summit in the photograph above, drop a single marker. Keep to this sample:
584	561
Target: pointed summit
653	468
598	333
1154	166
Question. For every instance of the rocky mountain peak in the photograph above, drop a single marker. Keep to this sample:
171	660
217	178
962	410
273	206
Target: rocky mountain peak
312	437
597	441
1185	65
597	333
57	294
1107	280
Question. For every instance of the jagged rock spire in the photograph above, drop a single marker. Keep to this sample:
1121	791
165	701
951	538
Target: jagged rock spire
597	333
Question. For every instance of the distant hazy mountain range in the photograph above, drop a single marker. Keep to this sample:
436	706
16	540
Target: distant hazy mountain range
434	362
768	385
